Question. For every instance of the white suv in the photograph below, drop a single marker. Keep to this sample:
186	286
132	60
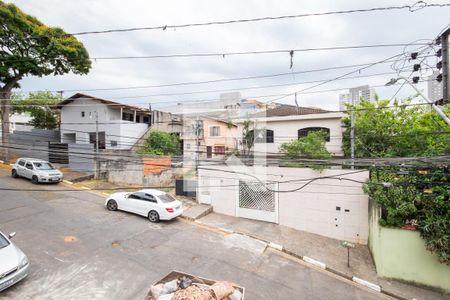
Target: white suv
37	170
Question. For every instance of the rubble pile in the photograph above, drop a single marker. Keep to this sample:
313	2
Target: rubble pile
186	288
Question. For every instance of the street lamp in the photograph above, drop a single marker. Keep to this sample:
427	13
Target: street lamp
434	106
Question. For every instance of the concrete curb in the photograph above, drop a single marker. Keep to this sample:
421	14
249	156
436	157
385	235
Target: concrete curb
315	262
309	260
368	284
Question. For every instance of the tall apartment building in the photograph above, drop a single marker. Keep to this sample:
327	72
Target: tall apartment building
355	94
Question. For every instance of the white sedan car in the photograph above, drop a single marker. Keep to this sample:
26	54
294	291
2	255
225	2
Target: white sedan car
13	262
154	204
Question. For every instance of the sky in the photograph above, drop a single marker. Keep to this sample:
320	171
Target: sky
369	28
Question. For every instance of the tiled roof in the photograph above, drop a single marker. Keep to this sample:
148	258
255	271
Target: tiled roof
107	102
282	110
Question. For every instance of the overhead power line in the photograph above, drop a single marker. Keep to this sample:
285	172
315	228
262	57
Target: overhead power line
214	80
411	8
225	54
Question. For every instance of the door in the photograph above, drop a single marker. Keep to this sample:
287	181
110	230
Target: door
28	171
141	203
21	168
258	201
58	153
131	204
208	151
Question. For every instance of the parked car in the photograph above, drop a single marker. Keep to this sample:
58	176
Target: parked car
13	262
37	170
154	204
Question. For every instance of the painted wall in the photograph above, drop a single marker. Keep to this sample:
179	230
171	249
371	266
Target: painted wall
401	254
227	137
328	207
286	129
124	133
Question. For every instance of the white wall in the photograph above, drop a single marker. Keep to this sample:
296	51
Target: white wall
286	129
125	133
311	209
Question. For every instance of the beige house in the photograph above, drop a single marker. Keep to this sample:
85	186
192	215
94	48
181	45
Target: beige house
210	137
286	123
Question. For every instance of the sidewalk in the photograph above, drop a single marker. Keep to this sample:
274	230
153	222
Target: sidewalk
323	249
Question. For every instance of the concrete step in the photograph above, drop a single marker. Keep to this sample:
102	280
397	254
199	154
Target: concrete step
197	211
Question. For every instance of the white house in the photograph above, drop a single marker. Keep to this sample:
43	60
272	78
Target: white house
285	123
119	126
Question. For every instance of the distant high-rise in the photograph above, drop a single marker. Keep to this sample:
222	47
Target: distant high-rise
435	89
355	94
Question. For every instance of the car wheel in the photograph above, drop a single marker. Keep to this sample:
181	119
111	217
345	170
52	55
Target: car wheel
111	205
14	174
153	216
35	179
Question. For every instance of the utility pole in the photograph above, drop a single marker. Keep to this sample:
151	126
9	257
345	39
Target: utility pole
352	131
96	167
445	66
197	139
5	107
96	131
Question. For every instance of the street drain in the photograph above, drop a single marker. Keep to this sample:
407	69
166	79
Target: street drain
70	239
115	244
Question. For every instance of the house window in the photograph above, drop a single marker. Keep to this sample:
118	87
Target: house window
127	117
138	119
264	136
219	149
188	146
146	120
113	143
305	131
214	131
82	114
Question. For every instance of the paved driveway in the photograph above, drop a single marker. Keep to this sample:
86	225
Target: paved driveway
79	250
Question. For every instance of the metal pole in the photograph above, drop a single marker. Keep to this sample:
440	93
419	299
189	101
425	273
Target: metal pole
197	133
445	67
348	257
96	131
434	106
96	175
352	131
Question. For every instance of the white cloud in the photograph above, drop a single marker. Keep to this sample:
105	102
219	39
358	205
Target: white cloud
325	31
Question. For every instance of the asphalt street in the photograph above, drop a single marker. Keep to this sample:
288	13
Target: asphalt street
79	250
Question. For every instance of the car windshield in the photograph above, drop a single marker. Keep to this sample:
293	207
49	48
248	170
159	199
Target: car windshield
43	165
166	198
3	242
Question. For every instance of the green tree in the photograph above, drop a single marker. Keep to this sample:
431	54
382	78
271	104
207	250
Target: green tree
248	135
161	143
385	129
41	107
402	129
419	198
310	146
30	48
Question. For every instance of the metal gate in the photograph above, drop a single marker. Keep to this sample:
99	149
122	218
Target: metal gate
258	201
58	153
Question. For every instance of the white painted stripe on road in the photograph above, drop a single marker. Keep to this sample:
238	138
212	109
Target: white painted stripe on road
276	246
315	262
106	194
368	284
85	188
67	181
